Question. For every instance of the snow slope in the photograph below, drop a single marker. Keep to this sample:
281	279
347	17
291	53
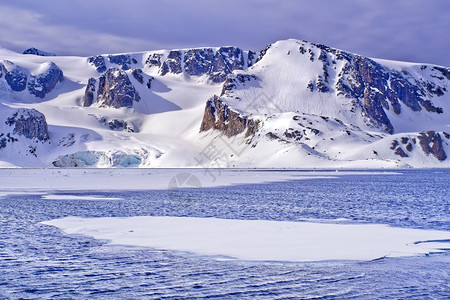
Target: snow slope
292	89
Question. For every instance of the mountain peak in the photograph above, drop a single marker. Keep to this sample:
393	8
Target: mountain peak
38	52
293	104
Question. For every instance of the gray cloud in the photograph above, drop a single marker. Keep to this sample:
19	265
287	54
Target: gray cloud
409	30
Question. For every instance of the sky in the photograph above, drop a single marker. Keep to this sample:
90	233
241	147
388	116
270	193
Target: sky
406	30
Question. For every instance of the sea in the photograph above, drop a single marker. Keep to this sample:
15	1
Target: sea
38	261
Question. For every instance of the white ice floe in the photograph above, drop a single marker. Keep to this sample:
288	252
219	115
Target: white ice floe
259	240
50	180
76	197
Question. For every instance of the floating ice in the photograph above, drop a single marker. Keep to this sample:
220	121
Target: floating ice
258	240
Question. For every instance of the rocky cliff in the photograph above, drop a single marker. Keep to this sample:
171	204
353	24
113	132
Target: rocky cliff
219	116
114	90
24	123
216	64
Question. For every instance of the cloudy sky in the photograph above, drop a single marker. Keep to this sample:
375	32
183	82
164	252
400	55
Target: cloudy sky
408	30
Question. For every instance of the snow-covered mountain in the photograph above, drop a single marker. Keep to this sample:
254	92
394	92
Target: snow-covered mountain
293	104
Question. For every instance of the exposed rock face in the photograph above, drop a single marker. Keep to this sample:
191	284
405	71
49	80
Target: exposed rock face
198	61
380	88
116	90
226	60
44	83
444	71
123	60
120	125
216	64
29	123
89	94
2	70
172	64
98	62
154	60
16	77
374	88
218	115
35	51
400	152
263	52
251	58
138	75
431	142
236	80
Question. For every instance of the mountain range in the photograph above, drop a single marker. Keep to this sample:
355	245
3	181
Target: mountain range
293	104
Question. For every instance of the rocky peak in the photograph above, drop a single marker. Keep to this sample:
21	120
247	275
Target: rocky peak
35	51
379	88
44	83
375	89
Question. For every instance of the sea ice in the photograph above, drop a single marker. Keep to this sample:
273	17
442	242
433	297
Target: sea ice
260	240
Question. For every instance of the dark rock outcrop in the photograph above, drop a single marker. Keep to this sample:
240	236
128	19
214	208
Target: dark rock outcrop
29	123
16	77
123	60
172	64
292	134
263	52
2	70
154	60
116	90
89	94
98	62
400	152
44	83
431	142
234	81
218	115
444	71
226	60
216	64
198	62
35	51
251	58
138	75
120	125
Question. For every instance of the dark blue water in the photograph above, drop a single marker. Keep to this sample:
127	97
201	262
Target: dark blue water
41	262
